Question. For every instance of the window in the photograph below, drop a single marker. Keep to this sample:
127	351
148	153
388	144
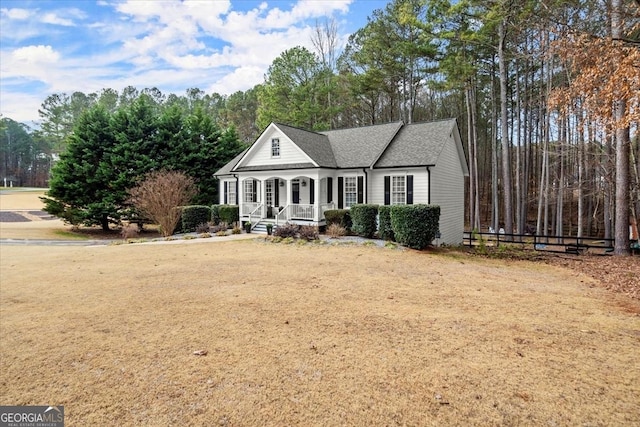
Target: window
249	193
275	147
231	193
269	191
350	191
398	190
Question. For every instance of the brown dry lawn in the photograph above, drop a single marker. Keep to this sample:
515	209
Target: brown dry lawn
311	335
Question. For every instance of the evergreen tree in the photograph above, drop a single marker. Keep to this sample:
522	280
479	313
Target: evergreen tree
81	190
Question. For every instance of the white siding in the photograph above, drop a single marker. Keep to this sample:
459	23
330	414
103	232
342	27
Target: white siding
420	184
260	153
447	191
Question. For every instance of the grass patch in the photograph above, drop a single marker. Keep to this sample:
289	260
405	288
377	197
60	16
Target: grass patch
70	235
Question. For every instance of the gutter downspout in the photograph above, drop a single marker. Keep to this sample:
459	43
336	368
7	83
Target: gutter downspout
238	188
429	185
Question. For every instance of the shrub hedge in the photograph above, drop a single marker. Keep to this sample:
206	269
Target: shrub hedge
363	218
415	226
215	214
194	215
229	213
385	230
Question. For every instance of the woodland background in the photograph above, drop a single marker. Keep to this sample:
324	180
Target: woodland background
546	93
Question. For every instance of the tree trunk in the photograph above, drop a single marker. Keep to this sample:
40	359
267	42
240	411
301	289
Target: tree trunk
622	153
474	209
505	143
495	206
104	222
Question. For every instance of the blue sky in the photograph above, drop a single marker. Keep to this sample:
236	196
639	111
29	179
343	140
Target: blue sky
216	45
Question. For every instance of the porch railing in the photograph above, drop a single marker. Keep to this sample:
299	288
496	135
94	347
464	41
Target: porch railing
257	214
296	211
249	207
282	215
304	212
301	212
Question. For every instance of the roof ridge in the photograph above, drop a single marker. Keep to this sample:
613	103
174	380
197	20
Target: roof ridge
361	127
422	122
297	128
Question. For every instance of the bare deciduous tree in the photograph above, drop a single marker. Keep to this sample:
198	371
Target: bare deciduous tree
160	194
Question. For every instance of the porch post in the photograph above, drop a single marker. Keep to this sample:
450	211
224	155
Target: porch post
288	198
263	198
316	197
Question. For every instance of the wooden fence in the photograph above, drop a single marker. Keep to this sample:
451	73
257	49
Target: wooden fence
561	244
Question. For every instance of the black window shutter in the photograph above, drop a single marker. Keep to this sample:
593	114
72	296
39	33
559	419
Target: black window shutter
329	190
387	190
312	191
276	192
340	192
226	191
255	191
360	189
237	197
409	189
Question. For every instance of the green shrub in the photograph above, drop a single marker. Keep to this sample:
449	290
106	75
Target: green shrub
385	231
415	226
338	216
194	215
215	214
229	213
363	218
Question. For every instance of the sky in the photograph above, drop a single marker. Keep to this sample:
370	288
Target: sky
223	46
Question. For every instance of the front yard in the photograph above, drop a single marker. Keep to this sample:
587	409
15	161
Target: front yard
311	335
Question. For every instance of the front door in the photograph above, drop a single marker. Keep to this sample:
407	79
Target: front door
269	197
295	193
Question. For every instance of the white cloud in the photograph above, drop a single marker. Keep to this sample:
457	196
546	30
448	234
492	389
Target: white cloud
63	17
20	107
171	45
17	13
53	19
36	55
237	80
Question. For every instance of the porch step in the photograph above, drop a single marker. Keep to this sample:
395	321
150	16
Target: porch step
261	227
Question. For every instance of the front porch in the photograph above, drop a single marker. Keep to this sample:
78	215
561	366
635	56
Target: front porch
279	200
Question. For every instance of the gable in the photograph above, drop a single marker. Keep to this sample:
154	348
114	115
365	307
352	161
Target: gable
360	147
259	156
421	144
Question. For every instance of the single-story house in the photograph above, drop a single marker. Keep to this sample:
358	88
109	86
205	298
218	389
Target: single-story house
295	175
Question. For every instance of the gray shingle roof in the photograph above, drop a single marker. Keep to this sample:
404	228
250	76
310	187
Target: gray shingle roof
315	145
379	146
226	169
417	144
360	147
